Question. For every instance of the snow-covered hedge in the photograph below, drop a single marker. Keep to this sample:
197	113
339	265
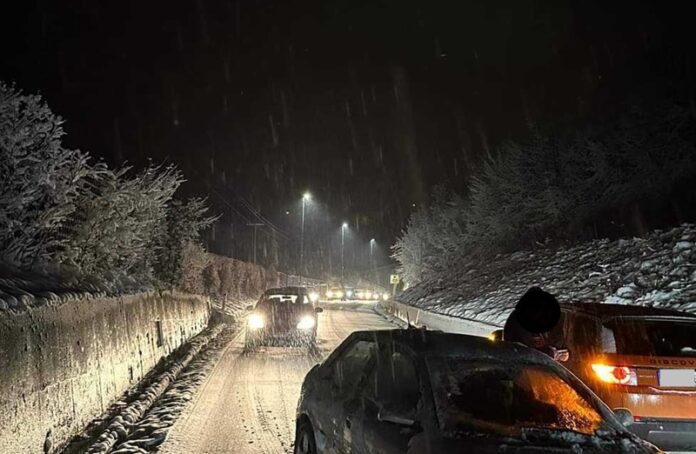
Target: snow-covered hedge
561	187
60	211
656	270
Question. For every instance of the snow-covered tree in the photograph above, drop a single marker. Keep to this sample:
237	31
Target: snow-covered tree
118	228
184	223
40	180
433	237
551	187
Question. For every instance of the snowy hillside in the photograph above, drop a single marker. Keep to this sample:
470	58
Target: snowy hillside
657	270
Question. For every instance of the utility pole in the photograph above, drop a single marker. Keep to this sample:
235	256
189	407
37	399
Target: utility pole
254	225
344	226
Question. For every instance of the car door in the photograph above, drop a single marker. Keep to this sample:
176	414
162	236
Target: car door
339	403
392	403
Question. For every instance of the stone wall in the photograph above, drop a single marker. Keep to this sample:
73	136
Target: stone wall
62	365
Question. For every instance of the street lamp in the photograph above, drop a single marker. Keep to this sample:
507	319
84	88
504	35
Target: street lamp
305	198
344	226
372	262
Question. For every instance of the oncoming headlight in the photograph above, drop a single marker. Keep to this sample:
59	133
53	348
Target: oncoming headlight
306	322
256	321
314	297
385	296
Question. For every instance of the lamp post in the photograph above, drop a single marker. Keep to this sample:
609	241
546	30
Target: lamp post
305	198
344	226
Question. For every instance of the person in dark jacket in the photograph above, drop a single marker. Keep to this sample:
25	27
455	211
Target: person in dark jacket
534	316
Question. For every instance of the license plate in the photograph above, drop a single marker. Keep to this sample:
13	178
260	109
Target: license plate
679	378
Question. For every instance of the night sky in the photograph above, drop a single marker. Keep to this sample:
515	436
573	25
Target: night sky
367	104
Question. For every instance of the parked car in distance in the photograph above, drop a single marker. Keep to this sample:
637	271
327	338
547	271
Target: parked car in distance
335	294
422	391
282	316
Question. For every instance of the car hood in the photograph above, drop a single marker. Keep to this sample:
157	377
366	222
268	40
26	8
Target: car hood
536	442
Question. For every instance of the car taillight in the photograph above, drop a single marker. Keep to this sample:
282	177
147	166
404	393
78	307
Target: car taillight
619	375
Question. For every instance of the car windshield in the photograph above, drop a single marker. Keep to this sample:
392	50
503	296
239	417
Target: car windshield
505	399
649	337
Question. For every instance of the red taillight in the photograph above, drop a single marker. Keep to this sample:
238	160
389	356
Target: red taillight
619	375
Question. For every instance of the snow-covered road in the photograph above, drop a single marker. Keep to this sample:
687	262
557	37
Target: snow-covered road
248	403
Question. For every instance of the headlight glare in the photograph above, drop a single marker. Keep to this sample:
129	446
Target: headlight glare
314	297
306	322
256	321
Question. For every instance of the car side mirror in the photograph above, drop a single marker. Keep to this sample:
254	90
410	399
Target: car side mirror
318	310
624	416
388	416
250	307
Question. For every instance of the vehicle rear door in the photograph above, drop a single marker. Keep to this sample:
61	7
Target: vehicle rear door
392	396
654	365
340	406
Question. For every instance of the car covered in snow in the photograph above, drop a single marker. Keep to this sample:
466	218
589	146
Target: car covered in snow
641	361
416	391
282	316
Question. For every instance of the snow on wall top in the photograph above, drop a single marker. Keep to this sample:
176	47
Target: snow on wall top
20	290
657	270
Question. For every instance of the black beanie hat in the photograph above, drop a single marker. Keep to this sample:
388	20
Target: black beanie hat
538	311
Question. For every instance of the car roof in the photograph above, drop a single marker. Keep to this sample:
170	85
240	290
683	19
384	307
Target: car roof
438	344
286	291
604	311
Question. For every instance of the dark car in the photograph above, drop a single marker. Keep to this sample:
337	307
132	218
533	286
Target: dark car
431	392
282	316
639	360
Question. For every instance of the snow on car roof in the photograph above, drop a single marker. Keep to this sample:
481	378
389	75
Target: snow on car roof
286	291
441	344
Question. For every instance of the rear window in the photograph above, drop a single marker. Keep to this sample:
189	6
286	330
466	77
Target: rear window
285	298
506	399
649	337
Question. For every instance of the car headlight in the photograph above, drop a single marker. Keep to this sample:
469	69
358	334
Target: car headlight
349	293
339	294
313	297
306	322
385	296
329	294
256	321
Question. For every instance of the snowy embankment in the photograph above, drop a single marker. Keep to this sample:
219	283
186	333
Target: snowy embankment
656	270
141	420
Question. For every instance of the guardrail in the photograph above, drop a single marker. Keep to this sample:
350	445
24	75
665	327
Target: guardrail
431	320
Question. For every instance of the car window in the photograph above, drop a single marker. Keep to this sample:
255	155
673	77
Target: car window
580	332
649	337
394	383
352	366
507	398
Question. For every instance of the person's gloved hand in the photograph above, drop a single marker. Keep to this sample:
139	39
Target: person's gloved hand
560	354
